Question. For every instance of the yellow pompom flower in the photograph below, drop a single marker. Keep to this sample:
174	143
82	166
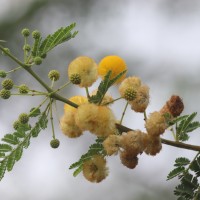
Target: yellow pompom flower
68	125
77	100
83	68
99	120
112	63
95	170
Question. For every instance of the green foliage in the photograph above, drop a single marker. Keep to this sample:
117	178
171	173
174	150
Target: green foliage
188	188
184	125
61	35
12	148
94	149
104	86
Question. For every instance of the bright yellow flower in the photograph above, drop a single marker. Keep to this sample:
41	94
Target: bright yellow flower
112	63
75	99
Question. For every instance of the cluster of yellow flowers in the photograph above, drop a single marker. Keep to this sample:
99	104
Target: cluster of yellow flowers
100	120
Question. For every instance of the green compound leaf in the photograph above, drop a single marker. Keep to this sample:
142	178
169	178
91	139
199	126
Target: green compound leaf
94	149
5	148
9	154
195	166
61	35
179	162
34	112
11	139
185	125
104	86
175	172
188	187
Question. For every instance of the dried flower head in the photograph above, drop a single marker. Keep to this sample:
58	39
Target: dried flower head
111	144
173	106
140	103
153	145
133	141
128	159
156	124
112	63
68	125
86	68
97	119
95	170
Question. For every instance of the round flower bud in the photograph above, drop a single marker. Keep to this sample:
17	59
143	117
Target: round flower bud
7	50
54	75
44	55
3	74
95	170
25	32
112	63
23	89
36	34
23	118
55	143
38	60
5	94
27	47
86	68
16	124
75	79
7	84
130	94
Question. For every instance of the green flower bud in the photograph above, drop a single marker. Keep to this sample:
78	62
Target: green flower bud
7	84
5	94
25	32
44	55
55	143
36	34
23	118
3	74
54	75
16	124
37	60
130	94
27	47
23	89
75	79
7	50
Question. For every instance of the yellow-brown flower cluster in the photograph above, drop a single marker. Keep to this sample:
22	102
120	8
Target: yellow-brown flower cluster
99	119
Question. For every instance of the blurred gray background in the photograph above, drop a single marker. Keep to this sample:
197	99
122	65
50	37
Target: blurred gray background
160	42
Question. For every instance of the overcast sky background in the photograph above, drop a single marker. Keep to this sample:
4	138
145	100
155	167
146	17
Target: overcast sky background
160	41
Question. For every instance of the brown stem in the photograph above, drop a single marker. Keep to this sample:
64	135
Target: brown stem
122	128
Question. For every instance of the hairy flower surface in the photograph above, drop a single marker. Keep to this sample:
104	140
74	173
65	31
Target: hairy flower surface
111	144
77	100
86	68
97	119
95	170
128	159
133	141
68	125
156	124
153	145
112	63
140	103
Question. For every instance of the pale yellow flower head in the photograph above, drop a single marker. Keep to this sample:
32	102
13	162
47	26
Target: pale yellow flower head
155	124
112	63
85	68
77	100
95	170
99	120
68	125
